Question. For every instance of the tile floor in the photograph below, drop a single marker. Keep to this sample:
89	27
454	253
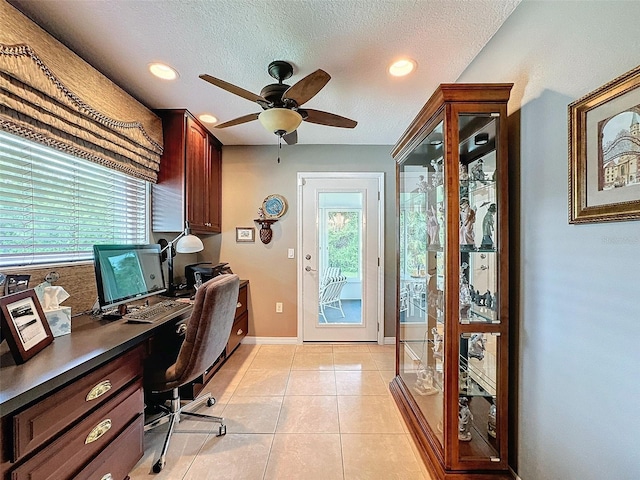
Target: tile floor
298	412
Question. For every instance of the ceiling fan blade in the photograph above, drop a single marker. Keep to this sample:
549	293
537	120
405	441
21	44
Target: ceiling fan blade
232	88
306	89
291	138
238	121
330	119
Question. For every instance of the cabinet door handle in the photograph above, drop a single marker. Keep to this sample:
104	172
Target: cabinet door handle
239	332
107	476
99	390
98	431
238	305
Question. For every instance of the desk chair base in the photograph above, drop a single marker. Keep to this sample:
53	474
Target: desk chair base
172	416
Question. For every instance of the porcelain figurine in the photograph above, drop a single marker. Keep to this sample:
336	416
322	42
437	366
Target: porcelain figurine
424	382
433	227
477	346
491	421
467	221
488	227
464	420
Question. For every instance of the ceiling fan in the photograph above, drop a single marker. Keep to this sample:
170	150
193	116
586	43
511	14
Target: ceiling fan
281	103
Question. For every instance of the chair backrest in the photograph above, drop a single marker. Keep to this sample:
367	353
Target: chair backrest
207	331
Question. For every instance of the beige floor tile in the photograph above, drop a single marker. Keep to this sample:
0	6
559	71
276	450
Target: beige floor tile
305	360
223	384
382	348
387	376
309	382
314	348
369	414
183	449
309	414
353	361
232	457
365	382
416	453
277	349
241	357
305	457
259	383
381	456
252	414
384	360
350	347
271	361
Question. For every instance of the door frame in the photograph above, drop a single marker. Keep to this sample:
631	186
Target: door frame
299	264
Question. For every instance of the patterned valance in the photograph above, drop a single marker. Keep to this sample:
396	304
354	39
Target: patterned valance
50	95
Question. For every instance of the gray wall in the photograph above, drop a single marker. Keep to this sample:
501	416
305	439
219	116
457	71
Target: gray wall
249	174
577	286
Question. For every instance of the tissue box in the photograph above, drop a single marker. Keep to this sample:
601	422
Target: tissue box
59	320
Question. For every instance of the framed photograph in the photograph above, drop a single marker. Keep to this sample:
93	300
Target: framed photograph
245	234
24	324
604	152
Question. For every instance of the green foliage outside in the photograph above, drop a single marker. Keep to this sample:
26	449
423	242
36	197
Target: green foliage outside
344	243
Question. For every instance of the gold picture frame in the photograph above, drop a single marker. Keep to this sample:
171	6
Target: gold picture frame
604	152
245	234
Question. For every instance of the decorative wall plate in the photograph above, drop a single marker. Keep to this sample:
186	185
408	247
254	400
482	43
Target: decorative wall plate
274	206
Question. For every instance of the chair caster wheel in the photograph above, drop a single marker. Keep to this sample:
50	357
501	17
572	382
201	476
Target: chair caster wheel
211	402
158	466
222	431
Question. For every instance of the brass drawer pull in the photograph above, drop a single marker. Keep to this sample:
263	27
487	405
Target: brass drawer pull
238	305
107	476
98	431
99	390
240	332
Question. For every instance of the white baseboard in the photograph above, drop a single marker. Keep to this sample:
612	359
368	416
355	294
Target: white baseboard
389	340
270	340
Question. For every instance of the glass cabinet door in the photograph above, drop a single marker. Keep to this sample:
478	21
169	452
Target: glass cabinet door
478	286
421	271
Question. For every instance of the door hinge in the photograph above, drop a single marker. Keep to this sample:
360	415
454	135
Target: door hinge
301	182
378	195
378	261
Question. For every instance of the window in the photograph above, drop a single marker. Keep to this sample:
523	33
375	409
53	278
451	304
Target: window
55	207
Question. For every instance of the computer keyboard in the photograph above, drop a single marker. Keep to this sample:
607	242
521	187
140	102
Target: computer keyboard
157	312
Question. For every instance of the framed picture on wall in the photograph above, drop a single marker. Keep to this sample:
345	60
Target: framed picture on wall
604	152
245	234
25	325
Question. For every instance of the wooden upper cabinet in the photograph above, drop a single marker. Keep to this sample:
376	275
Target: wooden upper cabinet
189	181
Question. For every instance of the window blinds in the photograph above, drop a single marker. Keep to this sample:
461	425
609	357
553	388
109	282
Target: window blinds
54	207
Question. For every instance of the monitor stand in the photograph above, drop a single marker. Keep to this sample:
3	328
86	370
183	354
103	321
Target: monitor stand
115	314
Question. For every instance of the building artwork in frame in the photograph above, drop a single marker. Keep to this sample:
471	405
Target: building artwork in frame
604	145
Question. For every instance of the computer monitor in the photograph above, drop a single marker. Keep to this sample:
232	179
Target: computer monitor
127	272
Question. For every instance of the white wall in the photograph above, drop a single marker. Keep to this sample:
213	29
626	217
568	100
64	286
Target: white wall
577	312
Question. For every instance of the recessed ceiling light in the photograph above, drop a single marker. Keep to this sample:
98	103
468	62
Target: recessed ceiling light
402	67
206	118
163	71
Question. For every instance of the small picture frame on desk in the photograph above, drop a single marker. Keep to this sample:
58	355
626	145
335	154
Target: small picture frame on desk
245	234
24	325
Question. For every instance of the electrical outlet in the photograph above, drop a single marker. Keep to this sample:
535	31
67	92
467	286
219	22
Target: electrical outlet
278	307
291	253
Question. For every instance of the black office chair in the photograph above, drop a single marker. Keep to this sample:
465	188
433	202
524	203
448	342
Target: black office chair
206	335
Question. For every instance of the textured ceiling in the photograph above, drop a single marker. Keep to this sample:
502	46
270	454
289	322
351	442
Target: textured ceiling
353	40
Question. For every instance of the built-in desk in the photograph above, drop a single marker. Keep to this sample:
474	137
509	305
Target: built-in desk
87	381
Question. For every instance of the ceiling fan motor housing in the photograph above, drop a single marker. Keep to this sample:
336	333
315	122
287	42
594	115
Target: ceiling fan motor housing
273	94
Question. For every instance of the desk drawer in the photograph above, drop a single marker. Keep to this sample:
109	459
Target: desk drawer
44	420
238	332
118	459
66	455
242	302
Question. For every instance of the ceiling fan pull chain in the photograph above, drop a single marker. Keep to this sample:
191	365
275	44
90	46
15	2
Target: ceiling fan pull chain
279	147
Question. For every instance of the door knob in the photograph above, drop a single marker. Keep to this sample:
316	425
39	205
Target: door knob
307	256
309	269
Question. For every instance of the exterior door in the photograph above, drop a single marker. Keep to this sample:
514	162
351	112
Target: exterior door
340	245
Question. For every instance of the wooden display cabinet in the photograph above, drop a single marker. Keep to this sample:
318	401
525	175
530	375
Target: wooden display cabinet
452	330
189	182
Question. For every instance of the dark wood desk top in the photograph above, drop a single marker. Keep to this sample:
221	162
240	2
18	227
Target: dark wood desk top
91	343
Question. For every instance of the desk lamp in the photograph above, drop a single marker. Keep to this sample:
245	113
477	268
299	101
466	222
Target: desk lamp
186	243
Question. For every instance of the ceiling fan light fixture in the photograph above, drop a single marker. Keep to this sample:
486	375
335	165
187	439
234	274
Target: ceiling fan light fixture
402	67
280	121
207	118
163	71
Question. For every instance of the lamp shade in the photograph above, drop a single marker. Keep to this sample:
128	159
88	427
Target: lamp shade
189	244
280	121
